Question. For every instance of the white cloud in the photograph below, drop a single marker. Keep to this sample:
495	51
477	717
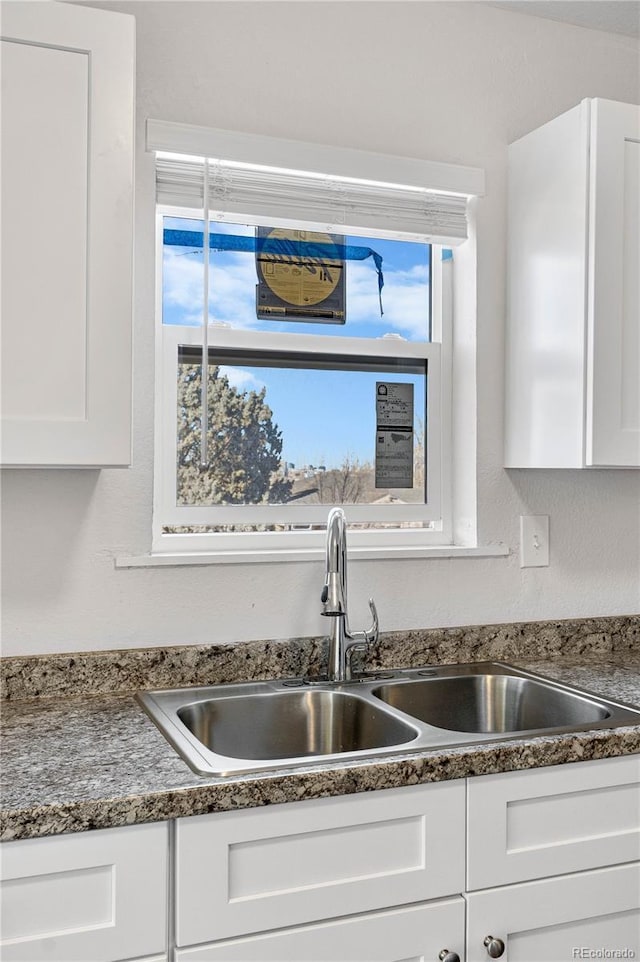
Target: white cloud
182	280
404	298
232	293
242	380
231	290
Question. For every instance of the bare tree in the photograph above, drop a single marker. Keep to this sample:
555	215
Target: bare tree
344	485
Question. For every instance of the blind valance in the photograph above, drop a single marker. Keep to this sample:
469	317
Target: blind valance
332	202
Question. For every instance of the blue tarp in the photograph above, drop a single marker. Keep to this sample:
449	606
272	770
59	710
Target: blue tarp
310	251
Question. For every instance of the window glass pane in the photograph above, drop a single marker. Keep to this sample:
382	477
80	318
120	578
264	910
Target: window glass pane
272	279
298	430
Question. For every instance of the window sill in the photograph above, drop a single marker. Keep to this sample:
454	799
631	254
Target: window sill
297	555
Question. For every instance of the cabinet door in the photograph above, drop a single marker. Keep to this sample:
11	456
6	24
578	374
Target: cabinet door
546	283
67	204
250	871
566	818
556	919
613	372
95	895
402	935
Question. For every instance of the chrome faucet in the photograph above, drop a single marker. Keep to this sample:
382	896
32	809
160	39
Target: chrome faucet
342	641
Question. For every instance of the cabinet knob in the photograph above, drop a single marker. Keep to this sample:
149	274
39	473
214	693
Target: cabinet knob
447	956
494	947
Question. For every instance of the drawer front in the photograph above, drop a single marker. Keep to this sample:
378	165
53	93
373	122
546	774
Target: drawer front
400	935
154	958
249	871
96	895
532	824
573	917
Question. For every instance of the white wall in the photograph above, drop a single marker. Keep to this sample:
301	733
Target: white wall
452	82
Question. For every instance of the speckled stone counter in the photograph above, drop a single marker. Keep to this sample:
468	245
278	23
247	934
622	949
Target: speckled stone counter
102	672
70	764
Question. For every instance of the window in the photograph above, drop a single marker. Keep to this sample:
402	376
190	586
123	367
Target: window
317	310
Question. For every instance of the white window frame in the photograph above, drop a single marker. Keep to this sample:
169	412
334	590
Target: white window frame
299	544
437	355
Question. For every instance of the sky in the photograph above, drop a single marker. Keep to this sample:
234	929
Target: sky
324	416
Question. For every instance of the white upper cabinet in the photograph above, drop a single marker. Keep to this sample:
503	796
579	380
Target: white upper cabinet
67	232
573	313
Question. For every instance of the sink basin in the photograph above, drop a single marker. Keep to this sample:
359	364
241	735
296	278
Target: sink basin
491	703
242	728
264	726
292	724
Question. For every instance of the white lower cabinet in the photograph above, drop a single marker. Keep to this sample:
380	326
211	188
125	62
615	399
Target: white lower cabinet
580	916
409	934
545	861
92	897
552	821
285	865
569	836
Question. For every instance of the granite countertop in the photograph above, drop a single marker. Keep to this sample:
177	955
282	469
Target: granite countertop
96	761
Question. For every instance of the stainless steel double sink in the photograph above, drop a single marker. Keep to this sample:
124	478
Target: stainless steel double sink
263	726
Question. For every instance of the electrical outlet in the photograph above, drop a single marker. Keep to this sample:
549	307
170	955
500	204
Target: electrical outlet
534	541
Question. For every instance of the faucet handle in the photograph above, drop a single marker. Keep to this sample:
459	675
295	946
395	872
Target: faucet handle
363	639
371	636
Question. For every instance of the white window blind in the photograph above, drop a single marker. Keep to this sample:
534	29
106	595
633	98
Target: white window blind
332	201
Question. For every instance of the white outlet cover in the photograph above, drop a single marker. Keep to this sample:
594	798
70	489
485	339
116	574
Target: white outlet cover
534	541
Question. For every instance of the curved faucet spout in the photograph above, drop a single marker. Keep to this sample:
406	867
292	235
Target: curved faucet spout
334	593
334	602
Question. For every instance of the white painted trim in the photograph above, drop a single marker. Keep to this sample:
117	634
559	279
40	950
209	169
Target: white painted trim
296	514
298	555
159	407
232	145
299	539
442	333
278	343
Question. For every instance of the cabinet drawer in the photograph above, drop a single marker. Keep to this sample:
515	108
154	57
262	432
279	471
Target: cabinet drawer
155	958
400	935
249	871
555	919
96	895
531	824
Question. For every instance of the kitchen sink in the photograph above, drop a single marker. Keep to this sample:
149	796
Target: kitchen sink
293	724
491	703
263	726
